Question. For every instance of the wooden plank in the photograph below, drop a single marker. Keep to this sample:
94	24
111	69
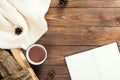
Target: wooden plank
77	17
61	72
56	54
88	3
80	36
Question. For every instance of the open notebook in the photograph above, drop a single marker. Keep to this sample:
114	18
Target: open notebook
102	63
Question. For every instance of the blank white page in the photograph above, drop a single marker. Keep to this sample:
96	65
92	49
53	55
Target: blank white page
81	66
102	63
107	61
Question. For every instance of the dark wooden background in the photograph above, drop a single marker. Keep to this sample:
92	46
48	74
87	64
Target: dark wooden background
81	25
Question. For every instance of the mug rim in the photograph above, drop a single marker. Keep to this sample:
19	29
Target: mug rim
28	57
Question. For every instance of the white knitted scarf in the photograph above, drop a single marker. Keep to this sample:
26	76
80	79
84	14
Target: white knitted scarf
22	22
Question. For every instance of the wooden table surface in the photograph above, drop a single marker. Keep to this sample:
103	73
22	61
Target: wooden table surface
81	25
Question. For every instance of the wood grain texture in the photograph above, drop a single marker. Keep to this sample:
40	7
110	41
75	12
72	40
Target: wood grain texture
56	54
77	17
80	36
80	26
22	61
88	3
20	57
24	74
8	65
61	72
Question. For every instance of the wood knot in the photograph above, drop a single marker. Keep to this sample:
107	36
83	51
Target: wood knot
18	30
117	20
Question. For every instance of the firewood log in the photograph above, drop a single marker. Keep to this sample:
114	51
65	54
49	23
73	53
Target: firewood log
8	65
24	74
